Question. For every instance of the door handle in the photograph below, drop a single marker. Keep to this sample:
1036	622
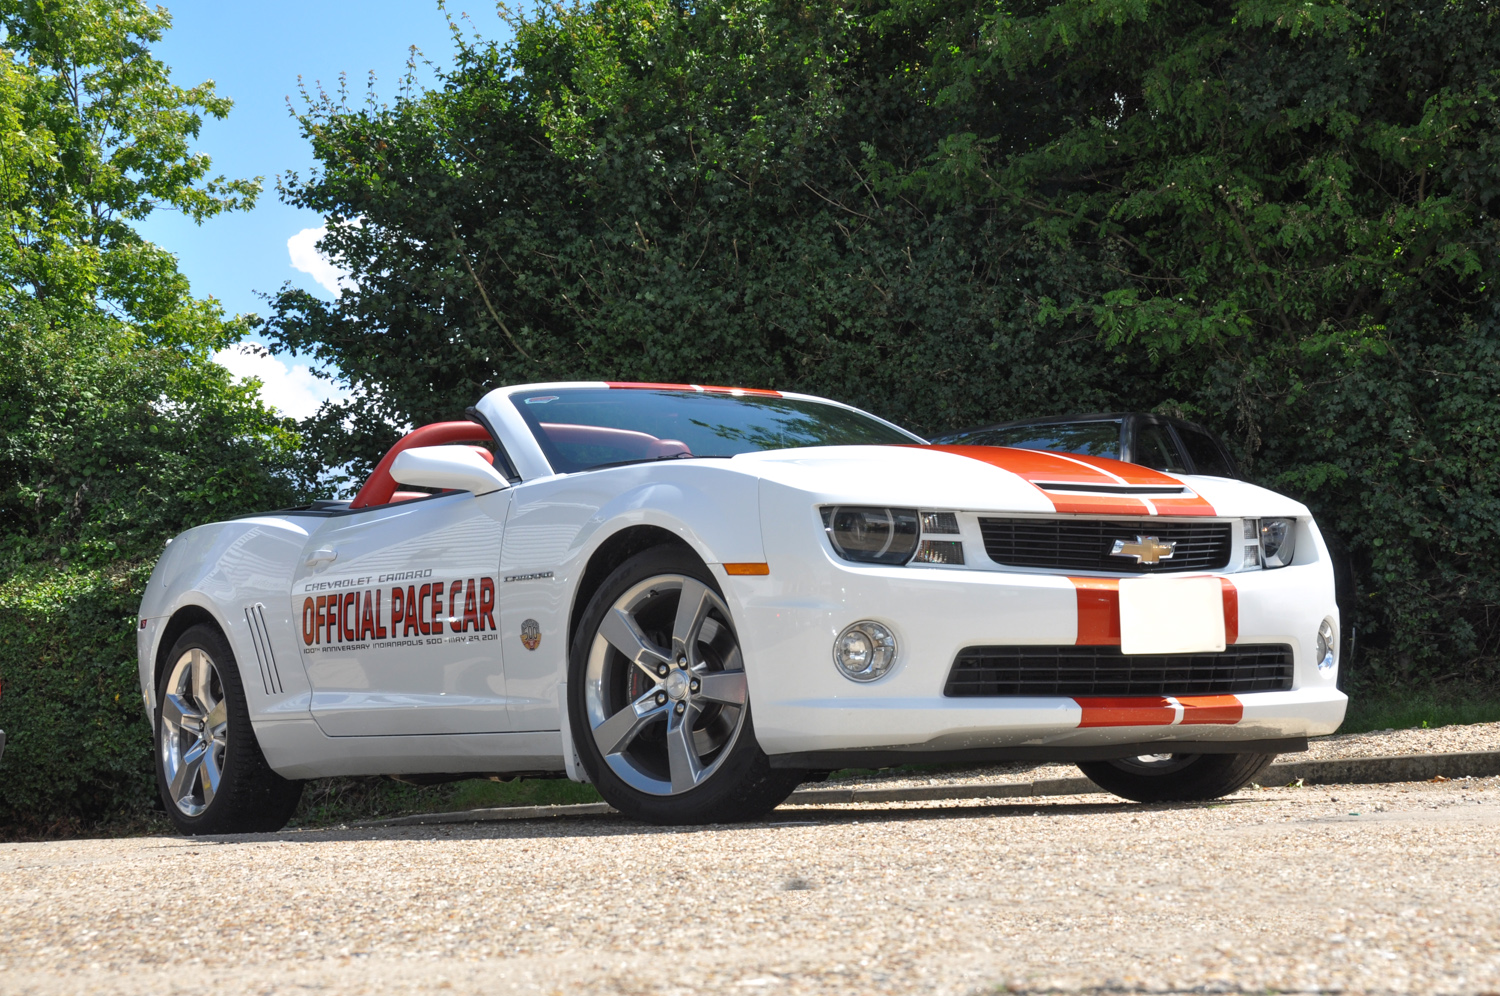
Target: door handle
326	555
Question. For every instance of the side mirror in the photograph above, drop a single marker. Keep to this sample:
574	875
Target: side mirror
457	468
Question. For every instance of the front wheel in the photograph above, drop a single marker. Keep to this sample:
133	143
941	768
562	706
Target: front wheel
209	768
1176	777
658	699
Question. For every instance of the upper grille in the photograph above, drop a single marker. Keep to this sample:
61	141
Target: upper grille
1084	544
1072	670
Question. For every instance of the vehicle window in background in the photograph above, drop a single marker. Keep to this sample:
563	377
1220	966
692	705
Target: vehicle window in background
580	428
1155	448
1207	457
1100	438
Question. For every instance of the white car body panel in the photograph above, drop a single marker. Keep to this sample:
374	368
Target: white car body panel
476	697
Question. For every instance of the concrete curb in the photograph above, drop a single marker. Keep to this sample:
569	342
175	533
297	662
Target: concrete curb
1345	771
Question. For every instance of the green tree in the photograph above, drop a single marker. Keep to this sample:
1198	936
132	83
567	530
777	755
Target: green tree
116	428
1293	207
105	138
640	191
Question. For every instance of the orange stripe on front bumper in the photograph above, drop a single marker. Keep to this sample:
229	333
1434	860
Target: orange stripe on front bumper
1160	710
1211	710
1099	611
1231	611
1149	711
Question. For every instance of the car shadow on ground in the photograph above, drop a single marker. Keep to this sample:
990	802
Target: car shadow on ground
614	825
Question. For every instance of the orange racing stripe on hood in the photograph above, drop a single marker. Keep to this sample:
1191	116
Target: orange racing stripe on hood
1040	466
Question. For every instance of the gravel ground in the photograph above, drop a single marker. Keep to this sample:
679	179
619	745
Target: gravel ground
1387	743
1383	743
1370	889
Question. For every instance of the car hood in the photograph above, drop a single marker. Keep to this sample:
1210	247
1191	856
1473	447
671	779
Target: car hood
996	478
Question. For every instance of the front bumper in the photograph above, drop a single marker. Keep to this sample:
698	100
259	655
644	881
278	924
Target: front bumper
804	706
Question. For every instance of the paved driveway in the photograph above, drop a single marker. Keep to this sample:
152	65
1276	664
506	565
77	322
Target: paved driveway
1376	889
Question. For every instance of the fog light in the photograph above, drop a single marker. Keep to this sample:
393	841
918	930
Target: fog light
1327	650
865	651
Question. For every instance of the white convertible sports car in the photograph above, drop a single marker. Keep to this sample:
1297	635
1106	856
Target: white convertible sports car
696	598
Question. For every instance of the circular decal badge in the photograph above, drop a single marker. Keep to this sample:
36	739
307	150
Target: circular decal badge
531	634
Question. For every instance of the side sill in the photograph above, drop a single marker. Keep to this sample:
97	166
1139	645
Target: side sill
888	757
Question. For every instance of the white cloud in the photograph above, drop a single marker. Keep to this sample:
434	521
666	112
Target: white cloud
290	389
303	248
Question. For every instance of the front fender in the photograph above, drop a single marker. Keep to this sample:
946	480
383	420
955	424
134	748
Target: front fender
558	526
239	574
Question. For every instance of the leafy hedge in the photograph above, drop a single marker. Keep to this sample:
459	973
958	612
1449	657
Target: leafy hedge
78	746
1277	218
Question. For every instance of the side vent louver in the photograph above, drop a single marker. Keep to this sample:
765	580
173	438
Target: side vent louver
260	636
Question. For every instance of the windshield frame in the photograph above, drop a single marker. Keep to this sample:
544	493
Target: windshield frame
542	462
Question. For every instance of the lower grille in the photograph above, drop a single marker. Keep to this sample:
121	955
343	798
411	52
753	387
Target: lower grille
1070	670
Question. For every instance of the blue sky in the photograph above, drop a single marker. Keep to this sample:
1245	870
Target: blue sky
255	53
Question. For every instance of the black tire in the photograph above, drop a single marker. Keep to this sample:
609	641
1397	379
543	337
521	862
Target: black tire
250	798
741	784
1177	777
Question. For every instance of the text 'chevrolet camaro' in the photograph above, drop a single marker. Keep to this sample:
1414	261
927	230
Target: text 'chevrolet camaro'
697	598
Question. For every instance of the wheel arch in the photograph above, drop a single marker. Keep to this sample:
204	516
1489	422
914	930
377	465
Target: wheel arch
617	548
182	620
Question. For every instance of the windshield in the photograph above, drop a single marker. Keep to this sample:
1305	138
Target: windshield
582	428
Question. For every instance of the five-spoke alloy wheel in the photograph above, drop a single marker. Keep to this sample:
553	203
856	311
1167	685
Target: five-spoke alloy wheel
209	767
660	706
194	732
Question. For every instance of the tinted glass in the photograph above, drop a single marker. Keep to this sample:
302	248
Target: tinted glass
1087	438
580	428
1155	448
1207	457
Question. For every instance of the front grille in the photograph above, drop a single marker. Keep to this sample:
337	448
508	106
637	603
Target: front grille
1085	544
1071	670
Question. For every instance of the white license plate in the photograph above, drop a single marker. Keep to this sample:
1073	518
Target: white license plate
1160	615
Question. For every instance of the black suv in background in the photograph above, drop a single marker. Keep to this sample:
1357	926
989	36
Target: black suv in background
1156	441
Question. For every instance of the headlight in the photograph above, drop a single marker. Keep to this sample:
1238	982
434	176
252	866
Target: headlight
1327	647
1278	541
865	651
870	535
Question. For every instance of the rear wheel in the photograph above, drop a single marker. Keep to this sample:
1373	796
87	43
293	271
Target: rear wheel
659	700
209	768
1176	777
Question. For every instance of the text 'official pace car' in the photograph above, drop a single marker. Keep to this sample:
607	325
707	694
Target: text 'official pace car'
694	598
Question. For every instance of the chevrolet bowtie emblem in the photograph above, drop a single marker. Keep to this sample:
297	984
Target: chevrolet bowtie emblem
1145	549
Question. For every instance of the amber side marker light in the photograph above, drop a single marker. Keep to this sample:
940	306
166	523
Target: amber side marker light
747	569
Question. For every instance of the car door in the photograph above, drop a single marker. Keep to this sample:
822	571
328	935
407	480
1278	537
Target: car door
396	615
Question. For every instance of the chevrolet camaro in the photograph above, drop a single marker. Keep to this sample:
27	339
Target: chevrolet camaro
696	598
